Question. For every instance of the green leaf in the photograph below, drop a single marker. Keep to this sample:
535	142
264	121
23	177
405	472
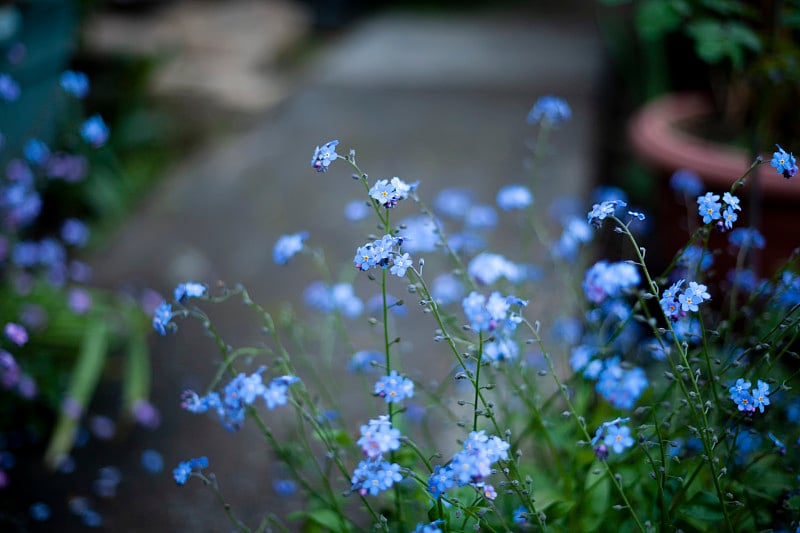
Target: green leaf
725	7
793	503
744	36
596	502
325	518
83	382
715	41
558	509
136	381
338	436
702	510
655	19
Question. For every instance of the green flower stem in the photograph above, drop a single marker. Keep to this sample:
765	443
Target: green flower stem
537	421
272	520
375	204
211	481
467	510
678	496
692	399
322	475
785	347
489	412
466	516
691	219
734	295
387	347
434	307
709	369
580	422
736	184
436	397
659	479
390	406
318	257
311	418
460	268
411	444
286	457
765	339
476	382
231	358
660	475
539	149
333	502
320	383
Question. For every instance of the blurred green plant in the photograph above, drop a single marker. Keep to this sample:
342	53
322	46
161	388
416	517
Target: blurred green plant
61	178
745	52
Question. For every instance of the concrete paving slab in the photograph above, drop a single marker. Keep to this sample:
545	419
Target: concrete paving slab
467	51
225	52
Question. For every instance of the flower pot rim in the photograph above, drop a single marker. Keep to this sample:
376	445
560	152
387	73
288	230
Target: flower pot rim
654	136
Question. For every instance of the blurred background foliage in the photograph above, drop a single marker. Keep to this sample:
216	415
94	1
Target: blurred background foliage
70	349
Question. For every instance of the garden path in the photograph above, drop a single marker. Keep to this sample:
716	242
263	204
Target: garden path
436	98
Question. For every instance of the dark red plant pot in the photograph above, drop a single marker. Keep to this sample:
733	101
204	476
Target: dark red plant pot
657	138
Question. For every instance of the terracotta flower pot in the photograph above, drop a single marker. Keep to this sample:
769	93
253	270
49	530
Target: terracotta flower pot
655	135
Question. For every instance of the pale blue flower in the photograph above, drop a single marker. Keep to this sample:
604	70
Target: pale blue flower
287	246
618	438
324	155
75	83
514	197
709	207
94	131
400	263
549	109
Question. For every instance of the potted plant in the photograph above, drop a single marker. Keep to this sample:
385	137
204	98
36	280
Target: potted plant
730	87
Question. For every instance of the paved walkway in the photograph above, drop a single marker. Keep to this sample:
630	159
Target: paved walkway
440	99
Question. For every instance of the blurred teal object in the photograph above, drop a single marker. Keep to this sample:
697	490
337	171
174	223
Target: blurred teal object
48	31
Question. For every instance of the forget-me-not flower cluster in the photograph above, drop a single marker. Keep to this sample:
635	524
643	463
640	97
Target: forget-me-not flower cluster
324	155
379	437
185	468
513	197
676	301
709	207
608	280
549	109
471	465
287	246
613	435
339	297
621	385
380	253
394	388
686	182
747	400
230	404
784	163
388	193
75	83
94	131
602	210
373	476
